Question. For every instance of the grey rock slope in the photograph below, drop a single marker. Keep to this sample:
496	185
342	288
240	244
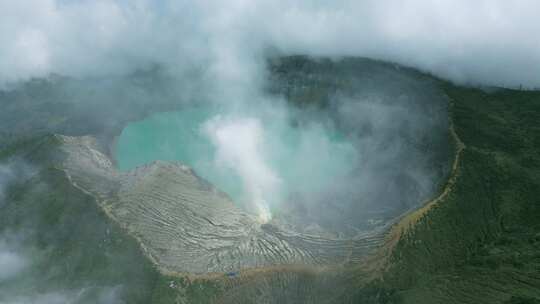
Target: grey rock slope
186	226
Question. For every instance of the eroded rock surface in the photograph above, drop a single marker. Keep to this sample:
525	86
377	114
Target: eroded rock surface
185	225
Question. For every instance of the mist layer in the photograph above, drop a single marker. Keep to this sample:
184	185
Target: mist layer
260	158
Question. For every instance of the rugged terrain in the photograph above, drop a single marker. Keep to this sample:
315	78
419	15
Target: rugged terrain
165	236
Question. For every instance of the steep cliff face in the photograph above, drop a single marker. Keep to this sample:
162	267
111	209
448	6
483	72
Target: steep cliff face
397	118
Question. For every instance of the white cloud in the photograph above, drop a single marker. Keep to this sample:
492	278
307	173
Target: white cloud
101	295
490	42
239	147
11	263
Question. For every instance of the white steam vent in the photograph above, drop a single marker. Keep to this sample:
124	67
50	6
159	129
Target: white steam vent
239	147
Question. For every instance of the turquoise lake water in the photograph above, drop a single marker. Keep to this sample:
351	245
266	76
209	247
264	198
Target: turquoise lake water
304	158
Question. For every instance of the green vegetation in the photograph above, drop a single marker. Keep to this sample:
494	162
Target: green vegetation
74	245
481	244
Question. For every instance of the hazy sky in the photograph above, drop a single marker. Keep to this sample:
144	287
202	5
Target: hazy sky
481	41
